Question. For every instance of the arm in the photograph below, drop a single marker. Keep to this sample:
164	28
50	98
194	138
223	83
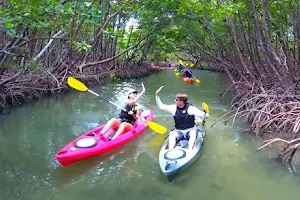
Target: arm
198	113
168	108
171	109
134	101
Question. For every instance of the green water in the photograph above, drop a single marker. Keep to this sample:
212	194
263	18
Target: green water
228	168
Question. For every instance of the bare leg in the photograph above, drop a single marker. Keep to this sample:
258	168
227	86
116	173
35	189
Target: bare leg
172	139
192	139
124	126
112	123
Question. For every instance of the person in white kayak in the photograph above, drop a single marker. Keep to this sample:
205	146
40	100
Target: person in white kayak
185	116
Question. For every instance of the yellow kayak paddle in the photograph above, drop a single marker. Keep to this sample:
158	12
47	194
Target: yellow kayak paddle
205	106
197	80
206	110
77	85
181	62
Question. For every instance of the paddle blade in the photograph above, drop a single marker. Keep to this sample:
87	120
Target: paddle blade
192	65
197	81
205	106
181	62
175	70
157	127
76	84
177	74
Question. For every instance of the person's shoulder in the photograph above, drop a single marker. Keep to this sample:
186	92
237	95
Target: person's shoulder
191	106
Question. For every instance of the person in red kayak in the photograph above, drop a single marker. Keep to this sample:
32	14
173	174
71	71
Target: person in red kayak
184	115
126	120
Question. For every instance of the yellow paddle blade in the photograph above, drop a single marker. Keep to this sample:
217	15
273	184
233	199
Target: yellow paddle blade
205	106
181	62
157	127
177	74
192	65
197	81
76	84
175	70
186	65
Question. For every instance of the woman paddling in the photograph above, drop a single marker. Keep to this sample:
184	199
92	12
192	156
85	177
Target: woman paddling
125	121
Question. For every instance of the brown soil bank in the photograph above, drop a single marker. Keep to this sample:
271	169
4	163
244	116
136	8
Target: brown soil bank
21	86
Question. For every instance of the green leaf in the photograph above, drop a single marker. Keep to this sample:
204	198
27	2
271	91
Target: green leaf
134	6
69	10
9	25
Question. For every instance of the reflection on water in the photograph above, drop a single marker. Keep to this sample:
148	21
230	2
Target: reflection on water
228	168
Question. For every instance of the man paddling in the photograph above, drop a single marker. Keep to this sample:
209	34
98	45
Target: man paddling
184	115
188	73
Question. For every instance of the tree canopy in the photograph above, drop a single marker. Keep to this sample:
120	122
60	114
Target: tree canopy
256	42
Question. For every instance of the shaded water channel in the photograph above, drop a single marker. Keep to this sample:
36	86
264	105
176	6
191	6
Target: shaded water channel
228	168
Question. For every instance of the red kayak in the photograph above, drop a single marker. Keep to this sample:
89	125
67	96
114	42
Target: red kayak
90	144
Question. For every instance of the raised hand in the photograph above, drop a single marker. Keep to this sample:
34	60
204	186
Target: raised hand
159	89
143	87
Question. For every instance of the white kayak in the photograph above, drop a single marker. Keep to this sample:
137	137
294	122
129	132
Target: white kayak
173	161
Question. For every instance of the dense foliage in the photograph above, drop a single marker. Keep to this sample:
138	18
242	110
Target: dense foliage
256	42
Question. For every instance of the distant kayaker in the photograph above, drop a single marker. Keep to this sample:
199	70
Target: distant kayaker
184	116
188	73
180	68
125	121
169	64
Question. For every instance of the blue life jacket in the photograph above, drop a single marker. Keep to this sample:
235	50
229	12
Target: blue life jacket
182	119
125	117
180	67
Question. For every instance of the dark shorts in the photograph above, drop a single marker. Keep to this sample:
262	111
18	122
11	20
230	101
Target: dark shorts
123	120
182	136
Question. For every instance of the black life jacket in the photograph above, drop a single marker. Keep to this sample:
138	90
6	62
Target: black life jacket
125	117
182	119
188	74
